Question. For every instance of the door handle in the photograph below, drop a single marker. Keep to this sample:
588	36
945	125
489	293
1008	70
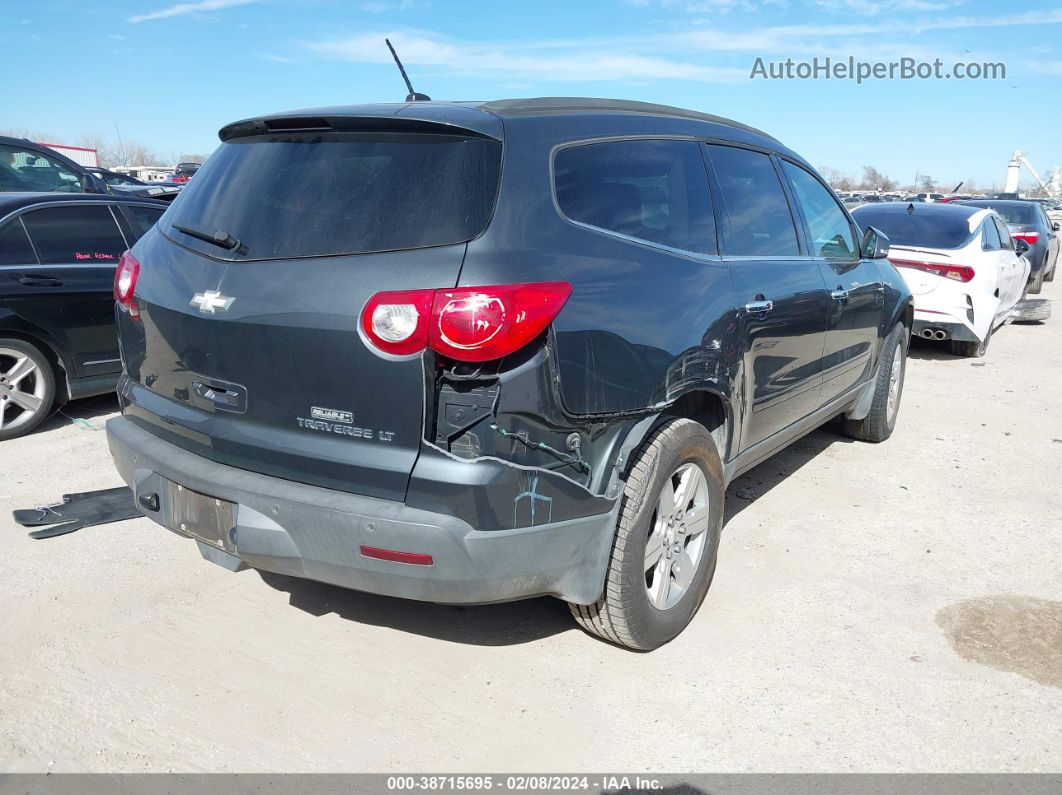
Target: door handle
759	307
40	281
839	295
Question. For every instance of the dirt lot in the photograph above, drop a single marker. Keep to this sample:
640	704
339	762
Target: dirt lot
877	608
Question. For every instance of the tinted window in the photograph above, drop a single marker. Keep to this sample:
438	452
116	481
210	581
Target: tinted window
1012	213
304	195
651	190
30	170
758	221
15	247
831	233
75	234
918	228
141	218
1005	240
990	236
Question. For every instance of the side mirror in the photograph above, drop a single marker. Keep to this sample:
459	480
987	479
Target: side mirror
875	244
90	183
1021	246
1054	226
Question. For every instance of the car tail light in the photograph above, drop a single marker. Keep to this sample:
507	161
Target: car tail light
469	324
397	322
959	273
1028	237
125	276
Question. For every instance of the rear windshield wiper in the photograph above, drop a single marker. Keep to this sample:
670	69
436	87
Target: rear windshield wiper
219	237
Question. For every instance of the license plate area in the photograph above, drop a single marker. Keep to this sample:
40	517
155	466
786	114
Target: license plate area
201	516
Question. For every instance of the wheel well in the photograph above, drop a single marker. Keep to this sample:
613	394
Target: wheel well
62	394
709	410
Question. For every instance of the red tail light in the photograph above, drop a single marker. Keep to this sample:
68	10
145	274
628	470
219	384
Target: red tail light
469	324
125	277
1028	237
960	273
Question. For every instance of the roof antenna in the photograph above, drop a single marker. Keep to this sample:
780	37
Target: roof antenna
413	96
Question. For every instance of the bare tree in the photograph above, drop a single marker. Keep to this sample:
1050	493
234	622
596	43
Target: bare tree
837	180
927	183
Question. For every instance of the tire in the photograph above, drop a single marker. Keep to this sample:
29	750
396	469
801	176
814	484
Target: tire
27	387
645	605
879	423
1037	284
970	350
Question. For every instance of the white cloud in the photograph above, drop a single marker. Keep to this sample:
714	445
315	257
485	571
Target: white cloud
117	36
1053	68
548	60
188	8
272	56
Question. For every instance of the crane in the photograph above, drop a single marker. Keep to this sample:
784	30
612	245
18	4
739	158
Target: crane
1051	188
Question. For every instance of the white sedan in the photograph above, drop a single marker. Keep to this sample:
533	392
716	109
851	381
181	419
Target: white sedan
965	270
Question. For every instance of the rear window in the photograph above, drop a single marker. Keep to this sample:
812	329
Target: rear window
1012	213
920	229
308	195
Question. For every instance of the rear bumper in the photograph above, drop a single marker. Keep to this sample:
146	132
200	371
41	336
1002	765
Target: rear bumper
306	531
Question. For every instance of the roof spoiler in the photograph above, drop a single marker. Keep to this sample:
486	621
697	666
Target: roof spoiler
353	123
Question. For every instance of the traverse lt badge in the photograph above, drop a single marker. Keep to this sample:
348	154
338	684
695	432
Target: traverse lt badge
211	302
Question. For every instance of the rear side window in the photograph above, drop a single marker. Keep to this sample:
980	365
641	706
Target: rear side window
1005	240
831	233
652	190
142	218
15	247
756	212
990	237
75	235
306	195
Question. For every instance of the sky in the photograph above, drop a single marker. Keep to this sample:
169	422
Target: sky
170	74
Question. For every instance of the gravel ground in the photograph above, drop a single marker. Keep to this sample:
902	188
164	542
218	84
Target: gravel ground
877	608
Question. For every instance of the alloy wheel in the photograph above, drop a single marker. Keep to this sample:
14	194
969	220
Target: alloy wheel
677	538
22	389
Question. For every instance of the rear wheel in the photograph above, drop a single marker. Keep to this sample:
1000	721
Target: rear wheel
664	554
971	350
879	423
27	387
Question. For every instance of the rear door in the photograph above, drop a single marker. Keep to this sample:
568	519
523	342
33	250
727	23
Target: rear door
69	291
856	293
251	355
780	292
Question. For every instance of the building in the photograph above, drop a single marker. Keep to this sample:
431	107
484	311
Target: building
79	154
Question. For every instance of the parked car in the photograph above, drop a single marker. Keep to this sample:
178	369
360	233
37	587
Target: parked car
929	198
1027	221
965	271
185	171
131	186
58	253
440	368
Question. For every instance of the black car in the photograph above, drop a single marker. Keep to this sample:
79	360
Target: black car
1028	221
58	253
131	186
485	351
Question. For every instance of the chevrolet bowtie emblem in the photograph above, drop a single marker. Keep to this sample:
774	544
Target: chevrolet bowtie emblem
211	301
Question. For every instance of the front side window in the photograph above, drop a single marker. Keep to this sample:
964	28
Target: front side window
81	235
758	220
831	234
652	190
15	247
30	170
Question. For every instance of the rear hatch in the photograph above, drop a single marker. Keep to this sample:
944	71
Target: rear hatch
248	352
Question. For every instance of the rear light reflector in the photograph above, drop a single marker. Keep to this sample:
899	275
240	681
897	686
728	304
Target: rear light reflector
959	273
393	555
1028	237
125	277
468	324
